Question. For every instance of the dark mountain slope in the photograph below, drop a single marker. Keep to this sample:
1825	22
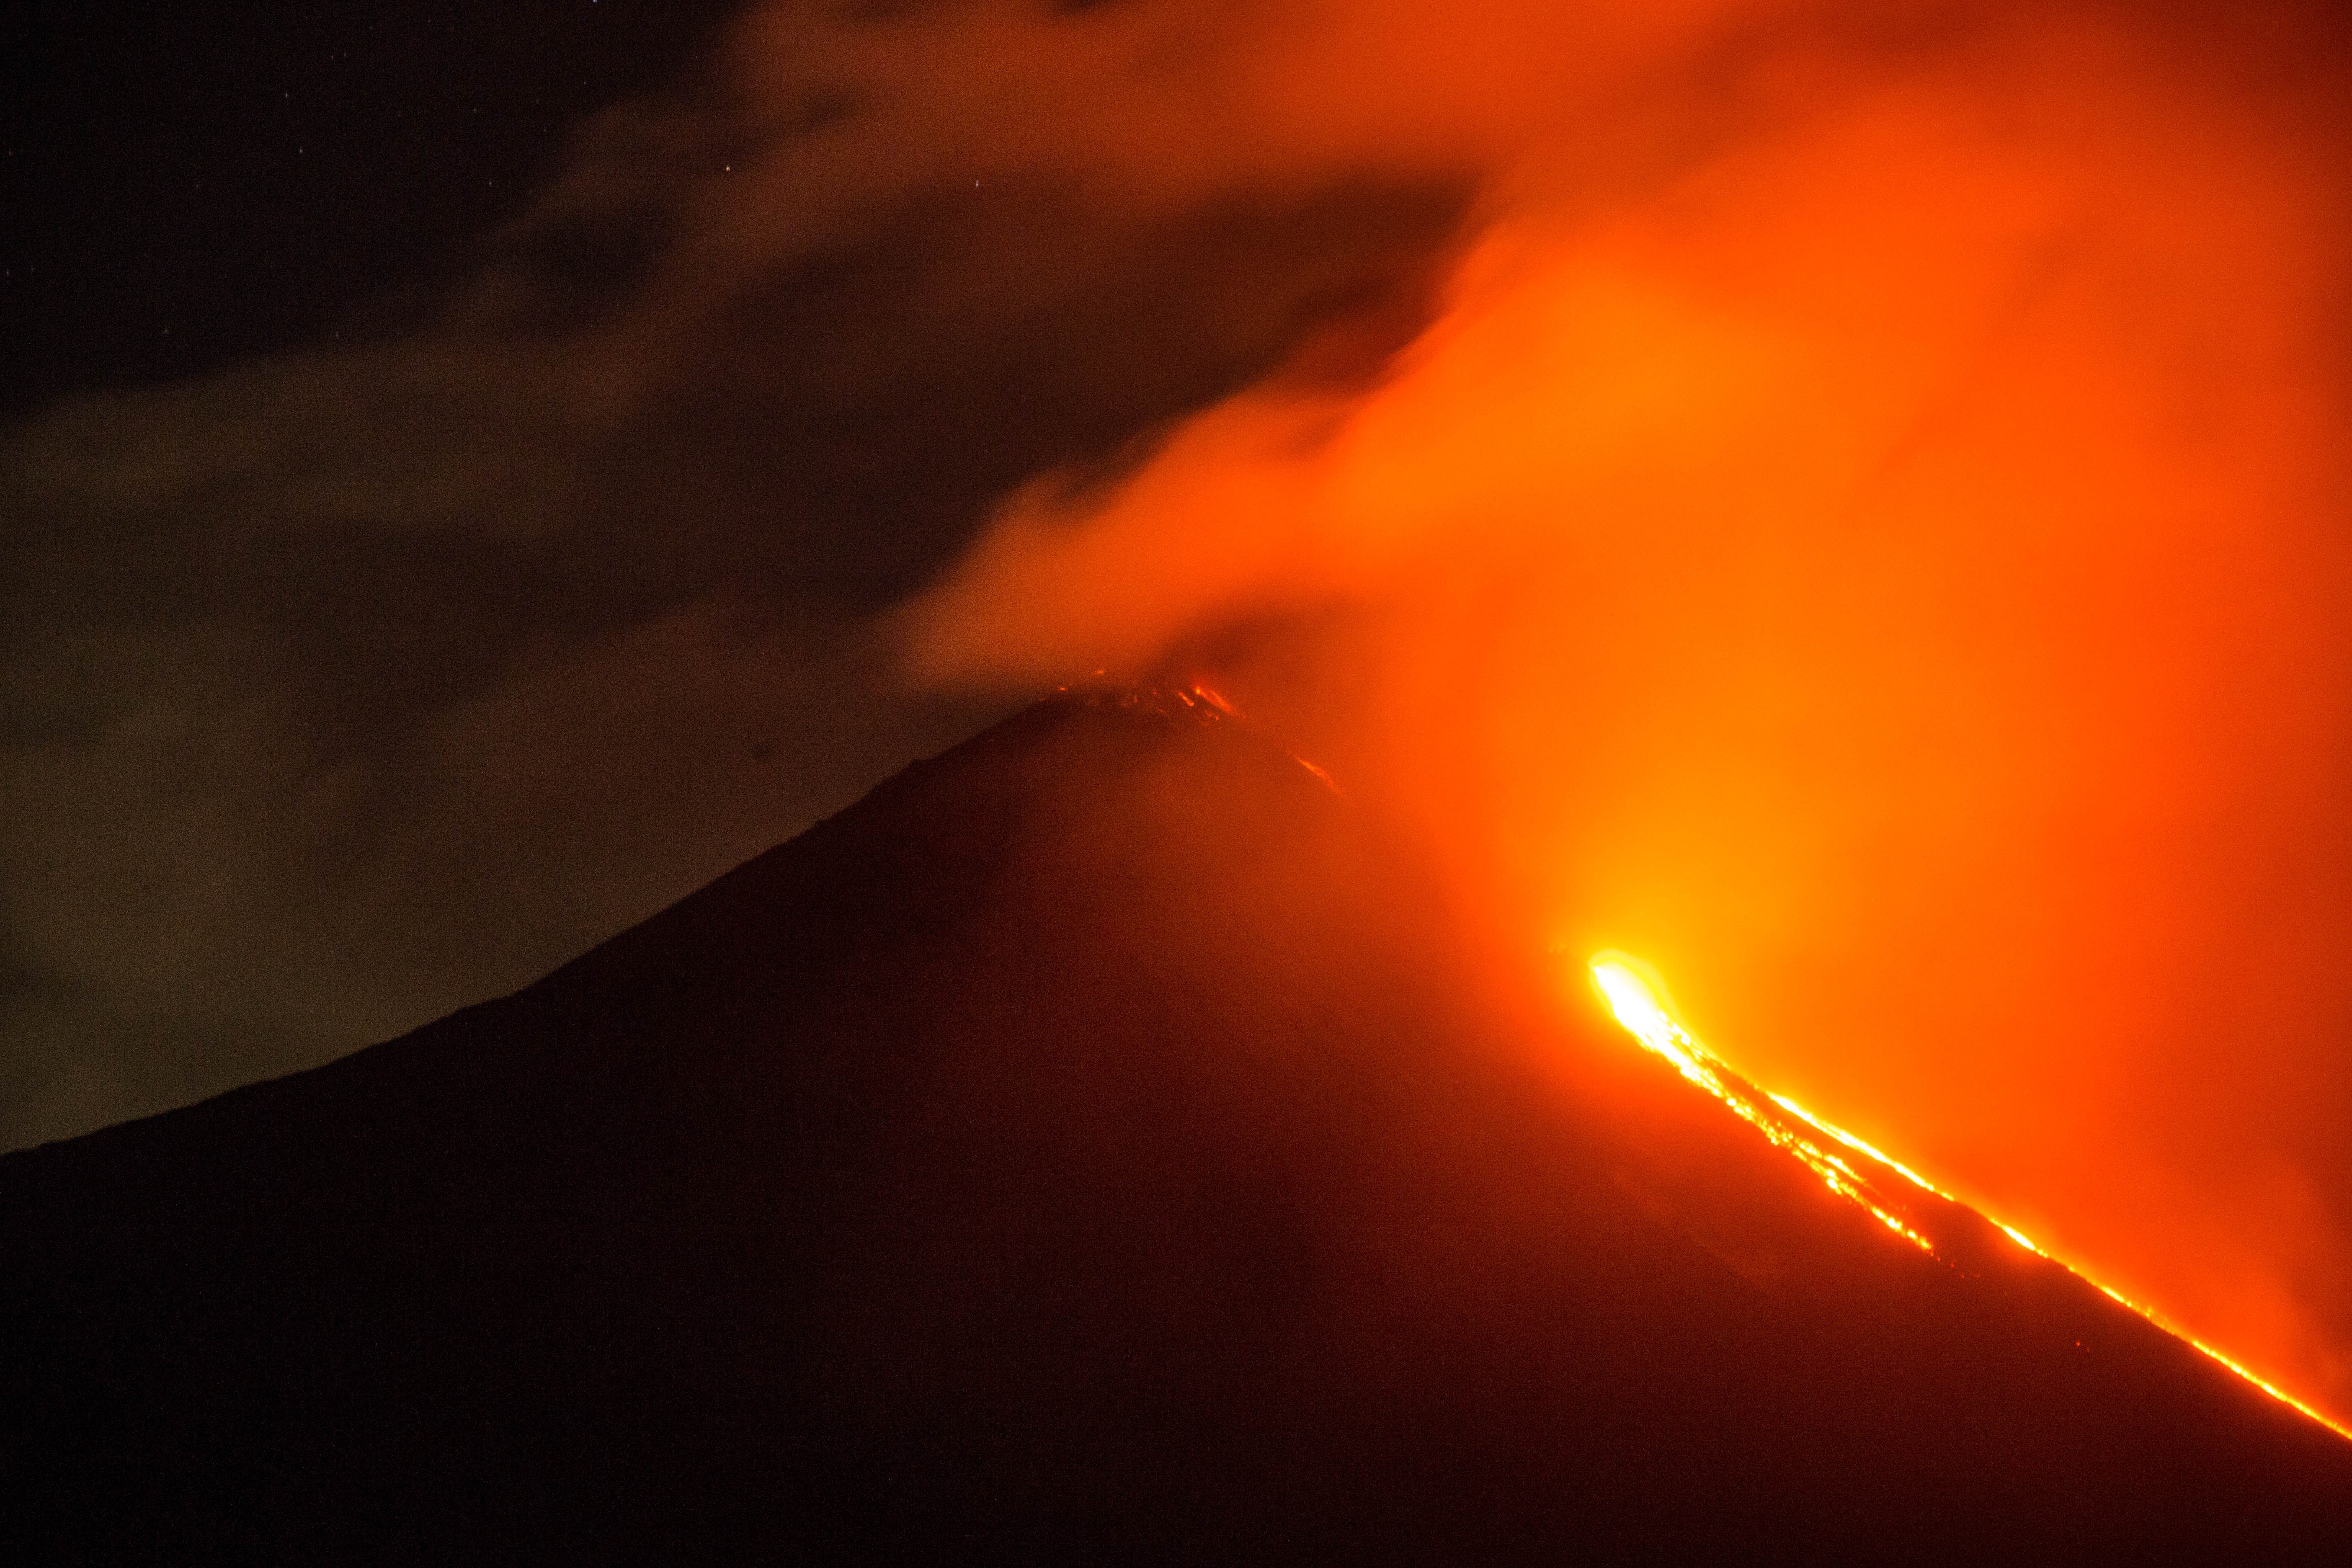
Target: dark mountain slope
1094	1144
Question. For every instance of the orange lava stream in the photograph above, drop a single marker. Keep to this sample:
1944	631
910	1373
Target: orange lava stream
1635	1001
1637	998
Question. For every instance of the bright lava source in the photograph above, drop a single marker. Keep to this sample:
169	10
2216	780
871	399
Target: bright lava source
1638	999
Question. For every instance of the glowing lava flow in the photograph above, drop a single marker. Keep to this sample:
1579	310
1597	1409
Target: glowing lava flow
1637	998
1638	1004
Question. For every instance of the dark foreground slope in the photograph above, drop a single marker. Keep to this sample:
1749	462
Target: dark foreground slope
1089	1146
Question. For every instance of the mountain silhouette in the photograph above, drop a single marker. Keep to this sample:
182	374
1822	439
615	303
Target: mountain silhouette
1098	1144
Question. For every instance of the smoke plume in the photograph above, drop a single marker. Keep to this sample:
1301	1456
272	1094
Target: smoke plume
1858	522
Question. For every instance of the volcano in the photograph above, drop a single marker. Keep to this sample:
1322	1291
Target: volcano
1101	1143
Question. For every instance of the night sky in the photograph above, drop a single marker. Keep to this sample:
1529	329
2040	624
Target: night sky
1846	502
184	195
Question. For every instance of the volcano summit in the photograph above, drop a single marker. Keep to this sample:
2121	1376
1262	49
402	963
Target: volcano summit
1098	1144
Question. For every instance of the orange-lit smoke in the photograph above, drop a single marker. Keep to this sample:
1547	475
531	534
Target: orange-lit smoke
1862	528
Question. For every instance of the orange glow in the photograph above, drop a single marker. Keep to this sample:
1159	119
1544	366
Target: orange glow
1861	521
1638	999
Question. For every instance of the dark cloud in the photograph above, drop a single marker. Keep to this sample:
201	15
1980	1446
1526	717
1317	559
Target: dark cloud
347	684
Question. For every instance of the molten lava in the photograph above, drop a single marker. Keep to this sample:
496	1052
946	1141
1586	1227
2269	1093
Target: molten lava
1638	1001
